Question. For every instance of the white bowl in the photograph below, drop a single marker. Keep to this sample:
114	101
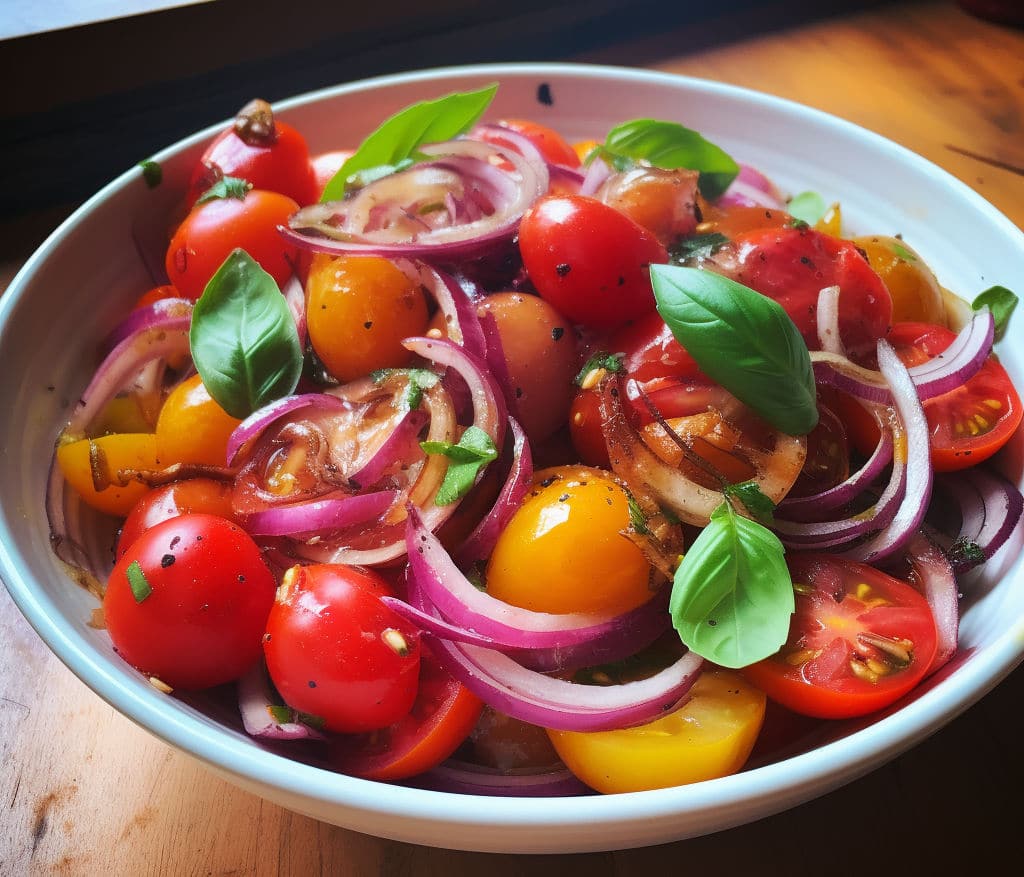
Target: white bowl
73	289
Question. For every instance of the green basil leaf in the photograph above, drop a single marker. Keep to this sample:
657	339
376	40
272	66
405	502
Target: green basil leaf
398	139
761	508
732	596
152	173
611	362
742	340
669	145
226	187
701	245
807	207
243	338
138	582
474	451
420	379
1001	301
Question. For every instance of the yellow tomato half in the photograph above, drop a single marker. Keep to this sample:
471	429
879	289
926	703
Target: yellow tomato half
91	467
710	736
916	294
563	550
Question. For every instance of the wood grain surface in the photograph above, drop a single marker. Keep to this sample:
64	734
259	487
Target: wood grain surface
87	792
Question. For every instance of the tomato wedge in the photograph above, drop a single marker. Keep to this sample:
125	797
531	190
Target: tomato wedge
440	719
859	640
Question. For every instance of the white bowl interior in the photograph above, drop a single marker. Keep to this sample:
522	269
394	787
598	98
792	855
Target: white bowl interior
75	287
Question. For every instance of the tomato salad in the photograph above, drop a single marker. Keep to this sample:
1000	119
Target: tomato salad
476	459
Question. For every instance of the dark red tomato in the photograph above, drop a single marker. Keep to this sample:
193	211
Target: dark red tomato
549	142
651	350
585	429
335	651
441	717
268	153
859	640
968	424
214	229
188	601
588	260
793	265
828	455
157	293
194	495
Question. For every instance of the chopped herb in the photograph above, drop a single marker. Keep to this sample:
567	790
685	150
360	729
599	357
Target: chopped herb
904	253
472	452
1001	301
281	715
475	575
799	224
138	582
637	518
152	173
226	187
754	501
699	246
420	379
611	362
964	553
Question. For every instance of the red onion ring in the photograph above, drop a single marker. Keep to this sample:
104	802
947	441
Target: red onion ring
462	778
933	576
254	703
456	303
256	423
596	174
828	322
751	188
295	297
308	519
990	508
144	317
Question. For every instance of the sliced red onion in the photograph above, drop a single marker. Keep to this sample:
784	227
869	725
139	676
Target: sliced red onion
893	537
933	575
596	174
401	441
455	301
751	188
255	702
497	364
144	317
464	169
308	519
295	297
558	703
463	778
256	423
828	321
566	178
480	543
990	508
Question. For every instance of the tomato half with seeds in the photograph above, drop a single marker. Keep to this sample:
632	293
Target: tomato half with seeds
441	717
859	640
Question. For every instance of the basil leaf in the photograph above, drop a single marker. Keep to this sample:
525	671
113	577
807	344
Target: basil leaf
669	145
611	362
243	338
152	173
807	207
226	187
474	451
701	245
742	340
1001	301
754	501
732	596
138	582
396	142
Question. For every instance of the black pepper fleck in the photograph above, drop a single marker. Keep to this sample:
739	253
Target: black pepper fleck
547	482
564	497
368	324
563	268
519	392
312	684
241	578
557	333
167	560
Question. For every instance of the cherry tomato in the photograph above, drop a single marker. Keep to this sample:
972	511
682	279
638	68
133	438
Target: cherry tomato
194	495
326	165
969	424
549	142
585	429
214	229
509	744
651	350
441	717
92	467
157	293
859	640
563	550
335	651
793	265
359	308
192	427
589	260
733	221
916	294
270	154
710	736
188	600
123	414
662	201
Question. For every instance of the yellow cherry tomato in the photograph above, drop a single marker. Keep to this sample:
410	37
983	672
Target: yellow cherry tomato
92	467
192	427
359	308
832	221
710	736
563	550
583	148
916	294
122	414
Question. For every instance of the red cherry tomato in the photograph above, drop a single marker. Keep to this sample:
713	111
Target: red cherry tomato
326	165
793	265
859	640
651	350
270	154
194	495
335	651
966	425
213	229
157	293
188	601
588	260
552	145
441	717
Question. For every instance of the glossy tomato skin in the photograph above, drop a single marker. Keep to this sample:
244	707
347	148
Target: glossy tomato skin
279	163
193	495
335	651
792	266
859	640
651	350
589	261
442	716
214	229
202	622
552	145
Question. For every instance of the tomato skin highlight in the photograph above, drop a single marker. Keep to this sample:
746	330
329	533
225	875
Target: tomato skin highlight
193	495
859	640
335	651
202	623
590	261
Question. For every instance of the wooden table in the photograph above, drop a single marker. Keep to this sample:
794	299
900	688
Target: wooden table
85	791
